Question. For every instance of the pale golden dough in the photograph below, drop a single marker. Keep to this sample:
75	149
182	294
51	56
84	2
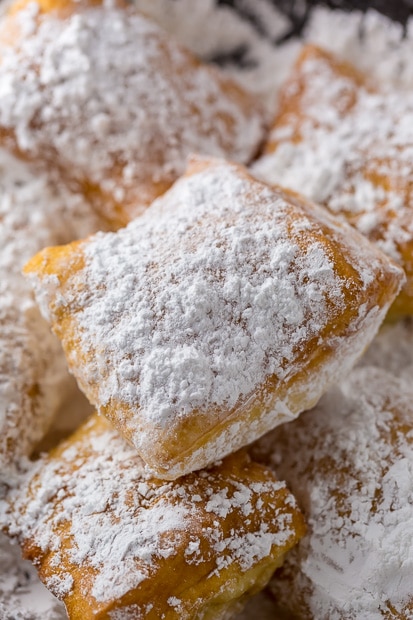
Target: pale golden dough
299	95
349	463
121	109
113	542
329	116
228	308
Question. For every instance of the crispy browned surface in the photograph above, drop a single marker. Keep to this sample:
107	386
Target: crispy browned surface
200	586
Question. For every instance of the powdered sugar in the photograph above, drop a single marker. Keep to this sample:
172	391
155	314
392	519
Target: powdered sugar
207	339
22	596
356	488
139	101
193	306
217	32
376	45
243	270
356	159
122	524
34	211
381	52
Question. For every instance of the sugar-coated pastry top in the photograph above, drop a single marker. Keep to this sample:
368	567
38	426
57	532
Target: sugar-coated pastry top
222	293
35	211
104	93
350	464
207	295
346	146
99	527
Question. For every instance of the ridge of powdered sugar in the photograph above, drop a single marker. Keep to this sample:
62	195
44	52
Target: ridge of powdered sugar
205	245
357	556
115	72
121	522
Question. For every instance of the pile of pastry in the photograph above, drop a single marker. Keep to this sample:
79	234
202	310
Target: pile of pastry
204	310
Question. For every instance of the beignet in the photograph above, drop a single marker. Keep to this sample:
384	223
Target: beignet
105	95
113	542
350	464
348	147
34	212
227	308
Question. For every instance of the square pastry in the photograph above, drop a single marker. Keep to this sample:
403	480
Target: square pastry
350	464
114	543
101	93
227	308
342	142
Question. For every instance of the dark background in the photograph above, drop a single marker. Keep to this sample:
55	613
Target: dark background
298	10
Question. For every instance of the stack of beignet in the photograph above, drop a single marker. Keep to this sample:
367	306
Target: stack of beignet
175	331
224	307
144	104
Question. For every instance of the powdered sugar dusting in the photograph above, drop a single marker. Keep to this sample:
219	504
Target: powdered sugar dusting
355	159
211	292
22	596
214	31
203	325
122	524
141	104
356	488
376	45
34	211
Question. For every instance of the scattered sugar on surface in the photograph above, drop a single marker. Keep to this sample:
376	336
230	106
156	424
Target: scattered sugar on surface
218	32
373	43
22	596
356	489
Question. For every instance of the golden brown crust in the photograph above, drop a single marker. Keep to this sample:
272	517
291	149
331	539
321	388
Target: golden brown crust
348	462
190	547
369	176
184	104
362	284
